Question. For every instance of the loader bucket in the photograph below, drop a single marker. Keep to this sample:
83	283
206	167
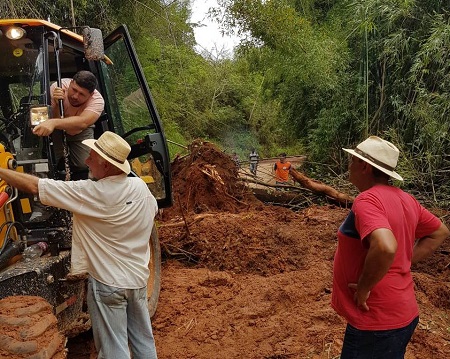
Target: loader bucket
93	44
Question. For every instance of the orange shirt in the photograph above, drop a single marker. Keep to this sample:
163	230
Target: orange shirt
282	171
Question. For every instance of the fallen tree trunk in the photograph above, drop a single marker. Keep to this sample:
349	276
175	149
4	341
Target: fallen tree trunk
275	186
319	187
291	199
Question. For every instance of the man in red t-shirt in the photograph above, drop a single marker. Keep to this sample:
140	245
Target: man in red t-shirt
385	232
281	169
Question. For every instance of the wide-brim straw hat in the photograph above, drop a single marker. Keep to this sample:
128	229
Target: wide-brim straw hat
379	153
112	148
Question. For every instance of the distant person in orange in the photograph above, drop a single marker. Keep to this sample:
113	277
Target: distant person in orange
282	169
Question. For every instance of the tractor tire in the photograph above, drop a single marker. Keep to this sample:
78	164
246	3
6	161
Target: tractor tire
28	329
154	279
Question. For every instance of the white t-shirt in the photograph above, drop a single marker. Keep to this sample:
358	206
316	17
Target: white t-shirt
112	223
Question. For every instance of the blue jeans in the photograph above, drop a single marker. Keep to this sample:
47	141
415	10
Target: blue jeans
377	344
120	317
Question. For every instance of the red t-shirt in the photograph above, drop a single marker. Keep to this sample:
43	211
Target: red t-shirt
392	303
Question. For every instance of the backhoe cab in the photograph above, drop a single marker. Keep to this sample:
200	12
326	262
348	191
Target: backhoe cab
34	54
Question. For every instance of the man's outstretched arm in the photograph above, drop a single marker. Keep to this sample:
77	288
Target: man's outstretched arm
22	181
73	125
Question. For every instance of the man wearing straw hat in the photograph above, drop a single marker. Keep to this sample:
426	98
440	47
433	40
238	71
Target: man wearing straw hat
113	216
385	232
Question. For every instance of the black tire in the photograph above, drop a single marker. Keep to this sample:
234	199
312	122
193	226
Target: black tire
28	329
154	279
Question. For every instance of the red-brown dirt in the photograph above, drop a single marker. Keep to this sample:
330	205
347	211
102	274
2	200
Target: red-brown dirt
29	329
244	280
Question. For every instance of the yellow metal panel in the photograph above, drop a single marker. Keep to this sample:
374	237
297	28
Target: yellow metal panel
148	179
26	205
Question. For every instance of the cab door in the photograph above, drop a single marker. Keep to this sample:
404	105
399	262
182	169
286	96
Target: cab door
130	112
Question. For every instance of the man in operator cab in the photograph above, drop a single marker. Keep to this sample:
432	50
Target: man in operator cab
82	105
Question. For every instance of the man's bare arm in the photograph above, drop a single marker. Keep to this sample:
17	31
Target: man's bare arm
427	245
22	181
73	125
381	254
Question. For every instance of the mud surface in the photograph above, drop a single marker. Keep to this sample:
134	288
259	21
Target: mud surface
28	329
244	280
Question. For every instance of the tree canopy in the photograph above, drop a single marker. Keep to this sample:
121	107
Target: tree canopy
310	76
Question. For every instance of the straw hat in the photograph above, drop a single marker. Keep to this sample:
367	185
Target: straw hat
112	148
379	153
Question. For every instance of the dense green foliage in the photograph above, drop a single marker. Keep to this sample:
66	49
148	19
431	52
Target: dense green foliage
346	69
310	76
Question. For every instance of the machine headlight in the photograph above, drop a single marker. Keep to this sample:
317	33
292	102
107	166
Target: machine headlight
15	33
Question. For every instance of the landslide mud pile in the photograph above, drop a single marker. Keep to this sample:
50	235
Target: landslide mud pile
207	181
217	222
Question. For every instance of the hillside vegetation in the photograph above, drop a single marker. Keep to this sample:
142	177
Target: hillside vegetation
309	77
